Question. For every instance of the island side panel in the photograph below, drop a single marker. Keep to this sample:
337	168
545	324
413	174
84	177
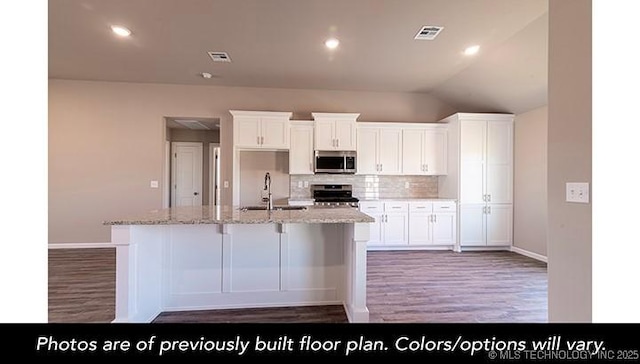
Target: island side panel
356	237
138	272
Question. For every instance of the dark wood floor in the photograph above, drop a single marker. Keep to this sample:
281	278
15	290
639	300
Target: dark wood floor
443	286
82	285
416	286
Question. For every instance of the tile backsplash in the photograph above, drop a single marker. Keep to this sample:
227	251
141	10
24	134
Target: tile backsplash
365	187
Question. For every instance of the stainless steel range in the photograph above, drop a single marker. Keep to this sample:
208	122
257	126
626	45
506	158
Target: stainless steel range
333	196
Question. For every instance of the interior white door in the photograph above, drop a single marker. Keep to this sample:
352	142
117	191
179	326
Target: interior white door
499	162
435	152
186	174
412	152
444	228
390	151
368	151
472	225
499	224
472	155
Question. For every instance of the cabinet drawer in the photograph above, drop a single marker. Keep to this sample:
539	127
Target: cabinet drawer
371	206
449	206
396	206
421	206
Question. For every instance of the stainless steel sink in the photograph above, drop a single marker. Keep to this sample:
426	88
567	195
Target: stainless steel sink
281	208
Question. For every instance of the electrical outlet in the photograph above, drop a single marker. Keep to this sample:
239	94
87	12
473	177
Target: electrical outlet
225	184
154	184
406	185
299	184
577	192
306	184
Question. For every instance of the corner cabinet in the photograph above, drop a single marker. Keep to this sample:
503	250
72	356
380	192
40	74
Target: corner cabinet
301	150
334	131
481	152
261	129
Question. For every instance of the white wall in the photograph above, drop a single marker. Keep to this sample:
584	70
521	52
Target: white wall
530	181
569	160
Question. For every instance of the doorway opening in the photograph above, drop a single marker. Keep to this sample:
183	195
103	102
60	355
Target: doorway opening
192	161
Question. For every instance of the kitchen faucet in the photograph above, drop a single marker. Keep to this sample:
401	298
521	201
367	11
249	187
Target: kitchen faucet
267	187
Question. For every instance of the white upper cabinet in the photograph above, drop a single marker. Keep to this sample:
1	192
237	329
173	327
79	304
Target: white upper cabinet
367	151
335	131
261	129
424	150
379	150
301	150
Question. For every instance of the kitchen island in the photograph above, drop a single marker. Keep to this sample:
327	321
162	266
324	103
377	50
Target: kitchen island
214	257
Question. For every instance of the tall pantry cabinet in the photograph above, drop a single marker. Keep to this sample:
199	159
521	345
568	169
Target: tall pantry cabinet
480	176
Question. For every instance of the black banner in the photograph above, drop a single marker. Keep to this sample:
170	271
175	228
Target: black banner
586	343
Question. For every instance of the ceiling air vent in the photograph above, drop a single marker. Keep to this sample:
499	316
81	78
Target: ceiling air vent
219	56
428	32
192	124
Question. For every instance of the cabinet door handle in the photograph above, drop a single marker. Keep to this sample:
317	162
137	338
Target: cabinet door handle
337	142
258	142
488	209
484	198
435	218
489	198
484	209
426	168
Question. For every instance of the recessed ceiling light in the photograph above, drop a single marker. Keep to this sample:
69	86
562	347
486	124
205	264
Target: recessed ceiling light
470	51
332	43
120	30
206	75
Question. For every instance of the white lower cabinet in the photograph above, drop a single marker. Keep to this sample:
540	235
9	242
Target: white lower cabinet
392	222
432	223
406	225
486	225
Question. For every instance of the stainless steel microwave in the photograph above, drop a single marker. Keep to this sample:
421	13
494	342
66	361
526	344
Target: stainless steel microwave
335	162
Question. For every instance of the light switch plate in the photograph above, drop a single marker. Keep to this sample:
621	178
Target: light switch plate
299	184
306	184
153	184
406	185
225	184
578	192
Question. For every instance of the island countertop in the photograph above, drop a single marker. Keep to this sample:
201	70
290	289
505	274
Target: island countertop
189	215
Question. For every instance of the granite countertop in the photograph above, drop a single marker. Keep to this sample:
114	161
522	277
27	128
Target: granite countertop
233	215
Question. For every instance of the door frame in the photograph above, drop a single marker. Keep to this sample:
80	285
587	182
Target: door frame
172	188
214	174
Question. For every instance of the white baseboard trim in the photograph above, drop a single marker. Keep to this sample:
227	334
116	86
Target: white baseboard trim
81	245
529	254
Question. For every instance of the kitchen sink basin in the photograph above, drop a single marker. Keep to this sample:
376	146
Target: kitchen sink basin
281	208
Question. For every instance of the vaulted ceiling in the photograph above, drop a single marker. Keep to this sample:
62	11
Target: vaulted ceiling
280	44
